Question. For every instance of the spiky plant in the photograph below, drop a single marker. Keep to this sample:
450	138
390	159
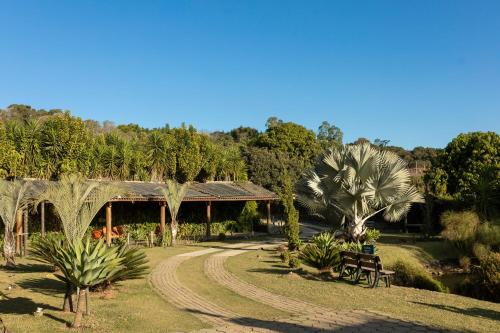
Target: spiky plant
13	198
85	264
77	201
322	253
174	193
358	181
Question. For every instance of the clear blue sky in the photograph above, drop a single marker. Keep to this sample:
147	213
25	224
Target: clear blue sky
413	72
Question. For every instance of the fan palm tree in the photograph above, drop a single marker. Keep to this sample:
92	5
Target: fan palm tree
174	193
13	198
358	182
77	201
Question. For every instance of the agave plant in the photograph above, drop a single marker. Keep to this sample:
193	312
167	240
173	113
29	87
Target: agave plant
358	182
173	193
85	264
322	253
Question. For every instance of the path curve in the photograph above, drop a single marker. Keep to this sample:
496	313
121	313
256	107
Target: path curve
307	317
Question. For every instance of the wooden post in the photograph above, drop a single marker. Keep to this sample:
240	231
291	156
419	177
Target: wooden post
19	230
163	204
25	231
268	214
109	226
209	218
42	218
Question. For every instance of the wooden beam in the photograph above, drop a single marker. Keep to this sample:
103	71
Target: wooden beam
209	218
163	204
109	224
42	218
19	230
268	214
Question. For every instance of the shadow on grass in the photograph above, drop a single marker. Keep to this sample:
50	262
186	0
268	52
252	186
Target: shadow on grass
21	305
46	286
28	268
306	325
474	312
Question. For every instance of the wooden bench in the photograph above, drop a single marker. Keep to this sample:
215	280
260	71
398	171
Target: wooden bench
359	264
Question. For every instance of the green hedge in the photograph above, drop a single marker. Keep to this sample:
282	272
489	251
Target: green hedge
408	275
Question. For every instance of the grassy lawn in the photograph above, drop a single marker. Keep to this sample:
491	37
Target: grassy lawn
192	275
438	309
132	307
135	307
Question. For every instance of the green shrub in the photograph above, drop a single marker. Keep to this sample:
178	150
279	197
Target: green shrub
351	246
249	216
165	239
285	256
413	276
322	253
222	236
141	231
460	229
294	262
484	282
489	274
371	236
489	235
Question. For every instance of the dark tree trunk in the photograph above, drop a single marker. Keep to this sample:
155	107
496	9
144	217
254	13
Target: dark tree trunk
68	299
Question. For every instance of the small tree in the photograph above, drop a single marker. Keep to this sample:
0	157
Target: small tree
359	181
292	215
174	193
13	197
77	201
248	216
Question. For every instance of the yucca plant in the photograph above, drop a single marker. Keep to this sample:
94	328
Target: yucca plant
13	198
322	253
358	182
174	193
77	201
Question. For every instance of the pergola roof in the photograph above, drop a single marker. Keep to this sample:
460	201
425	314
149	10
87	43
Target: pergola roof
210	191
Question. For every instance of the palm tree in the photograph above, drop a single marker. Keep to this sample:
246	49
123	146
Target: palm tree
357	182
174	193
77	201
13	198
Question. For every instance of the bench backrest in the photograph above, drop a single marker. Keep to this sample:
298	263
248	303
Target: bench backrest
369	261
349	258
362	260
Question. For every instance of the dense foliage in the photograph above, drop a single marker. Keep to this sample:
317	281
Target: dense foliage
468	169
413	276
480	240
46	144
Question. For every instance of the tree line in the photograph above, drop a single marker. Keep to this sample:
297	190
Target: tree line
47	144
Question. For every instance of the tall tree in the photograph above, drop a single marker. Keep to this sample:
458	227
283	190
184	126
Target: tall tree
466	158
329	135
